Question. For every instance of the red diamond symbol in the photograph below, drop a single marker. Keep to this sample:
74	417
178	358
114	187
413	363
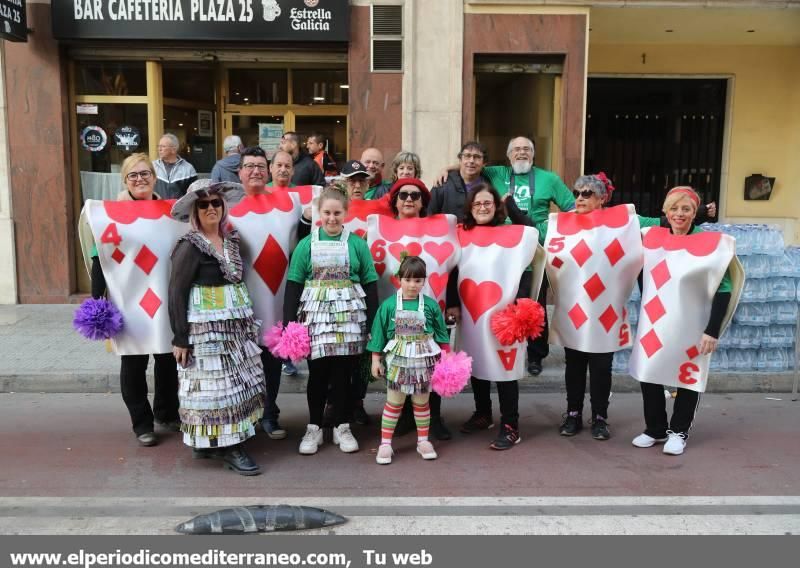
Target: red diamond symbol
557	262
118	255
271	264
145	260
692	352
660	274
608	318
581	252
651	342
150	303
614	252
655	309
594	287
577	315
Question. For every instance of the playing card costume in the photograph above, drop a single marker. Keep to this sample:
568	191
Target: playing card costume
222	390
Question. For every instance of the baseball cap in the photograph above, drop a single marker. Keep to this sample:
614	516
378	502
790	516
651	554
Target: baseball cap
354	168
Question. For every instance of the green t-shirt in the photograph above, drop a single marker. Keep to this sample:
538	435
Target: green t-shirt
362	269
383	324
383	186
272	184
548	188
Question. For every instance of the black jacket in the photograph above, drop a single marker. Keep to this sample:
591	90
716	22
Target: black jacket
449	197
306	171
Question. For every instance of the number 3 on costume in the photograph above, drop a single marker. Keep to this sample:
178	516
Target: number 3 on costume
686	370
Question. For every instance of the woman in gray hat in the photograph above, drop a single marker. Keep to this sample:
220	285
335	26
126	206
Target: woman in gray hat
221	389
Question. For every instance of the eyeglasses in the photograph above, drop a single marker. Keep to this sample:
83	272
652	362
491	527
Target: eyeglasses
586	193
250	167
412	195
144	174
521	149
482	204
471	156
216	203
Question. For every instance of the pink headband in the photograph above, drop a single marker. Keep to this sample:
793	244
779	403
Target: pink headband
688	191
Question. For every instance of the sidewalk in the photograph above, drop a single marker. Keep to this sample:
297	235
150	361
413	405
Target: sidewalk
40	352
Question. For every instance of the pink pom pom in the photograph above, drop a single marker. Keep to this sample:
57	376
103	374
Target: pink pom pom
294	344
518	321
451	373
272	336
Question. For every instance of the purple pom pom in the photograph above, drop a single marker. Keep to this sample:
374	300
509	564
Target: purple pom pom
97	319
294	344
451	374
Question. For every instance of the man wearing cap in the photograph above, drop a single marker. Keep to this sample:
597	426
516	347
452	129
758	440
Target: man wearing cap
306	171
227	169
372	158
356	177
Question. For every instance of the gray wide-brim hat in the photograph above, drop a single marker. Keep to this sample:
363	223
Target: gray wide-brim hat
231	192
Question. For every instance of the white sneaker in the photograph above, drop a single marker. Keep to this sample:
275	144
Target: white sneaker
675	444
425	449
645	441
384	455
311	441
343	437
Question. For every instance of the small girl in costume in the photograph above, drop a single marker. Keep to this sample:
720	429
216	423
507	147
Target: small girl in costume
410	330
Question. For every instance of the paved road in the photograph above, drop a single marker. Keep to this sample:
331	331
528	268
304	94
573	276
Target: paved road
71	466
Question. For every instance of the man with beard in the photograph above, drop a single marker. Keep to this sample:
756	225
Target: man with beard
306	171
372	158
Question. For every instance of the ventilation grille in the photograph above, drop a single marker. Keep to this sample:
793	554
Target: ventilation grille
387	38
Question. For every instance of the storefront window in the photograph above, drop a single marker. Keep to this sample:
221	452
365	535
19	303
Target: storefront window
334	128
264	131
258	87
195	131
189	82
319	86
120	78
106	135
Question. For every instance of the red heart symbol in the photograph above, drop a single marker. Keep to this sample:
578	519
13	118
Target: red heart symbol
441	252
395	281
413	249
438	283
478	298
380	268
360	233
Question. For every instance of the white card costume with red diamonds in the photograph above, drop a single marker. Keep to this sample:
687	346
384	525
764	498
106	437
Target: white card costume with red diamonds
267	226
134	244
357	213
593	260
491	264
681	276
434	239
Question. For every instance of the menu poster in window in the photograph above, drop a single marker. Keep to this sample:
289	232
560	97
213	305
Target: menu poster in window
205	123
269	137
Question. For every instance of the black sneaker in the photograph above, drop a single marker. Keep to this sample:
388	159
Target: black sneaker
439	430
572	424
507	438
476	422
535	367
237	460
600	429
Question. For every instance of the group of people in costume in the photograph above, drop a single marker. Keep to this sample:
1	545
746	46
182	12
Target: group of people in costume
387	287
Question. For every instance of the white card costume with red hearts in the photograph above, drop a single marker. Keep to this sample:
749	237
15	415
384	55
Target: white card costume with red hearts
434	239
491	264
681	275
267	226
357	212
593	260
134	243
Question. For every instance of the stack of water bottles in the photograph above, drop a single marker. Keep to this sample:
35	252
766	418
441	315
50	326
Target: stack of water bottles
762	335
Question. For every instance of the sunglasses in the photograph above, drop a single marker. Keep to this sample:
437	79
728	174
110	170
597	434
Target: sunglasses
412	195
215	203
586	193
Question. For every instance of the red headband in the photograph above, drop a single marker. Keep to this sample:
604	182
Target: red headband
607	182
688	191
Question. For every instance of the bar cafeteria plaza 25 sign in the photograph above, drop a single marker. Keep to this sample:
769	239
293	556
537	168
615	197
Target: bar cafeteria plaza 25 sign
187	20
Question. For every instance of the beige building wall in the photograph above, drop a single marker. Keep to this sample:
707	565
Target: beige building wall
763	130
8	268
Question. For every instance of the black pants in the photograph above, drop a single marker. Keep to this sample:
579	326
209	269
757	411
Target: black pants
507	393
538	348
655	410
272	380
329	381
133	384
599	365
358	383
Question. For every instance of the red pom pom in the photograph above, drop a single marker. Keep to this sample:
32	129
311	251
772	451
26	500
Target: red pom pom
518	321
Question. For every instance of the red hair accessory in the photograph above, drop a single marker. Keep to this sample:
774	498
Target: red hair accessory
607	182
688	191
